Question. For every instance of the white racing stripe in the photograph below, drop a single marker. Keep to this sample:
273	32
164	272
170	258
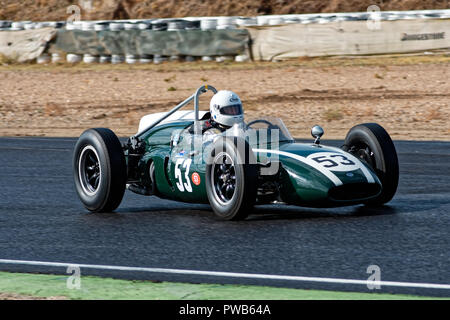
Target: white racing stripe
330	175
232	274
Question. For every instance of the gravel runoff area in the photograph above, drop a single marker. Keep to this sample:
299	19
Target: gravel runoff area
408	95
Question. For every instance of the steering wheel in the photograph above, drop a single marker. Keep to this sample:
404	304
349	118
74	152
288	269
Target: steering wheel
270	124
270	127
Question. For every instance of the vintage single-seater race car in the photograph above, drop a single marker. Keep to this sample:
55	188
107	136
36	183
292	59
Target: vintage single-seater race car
258	162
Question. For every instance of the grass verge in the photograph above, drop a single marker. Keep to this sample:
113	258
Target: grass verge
93	288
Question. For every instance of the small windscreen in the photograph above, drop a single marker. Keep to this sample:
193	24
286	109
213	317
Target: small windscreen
232	110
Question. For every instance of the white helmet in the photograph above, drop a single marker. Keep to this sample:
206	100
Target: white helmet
226	108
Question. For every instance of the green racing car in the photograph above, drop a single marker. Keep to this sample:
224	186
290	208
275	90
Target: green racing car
217	158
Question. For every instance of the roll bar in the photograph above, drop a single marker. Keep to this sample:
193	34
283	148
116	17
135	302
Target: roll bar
194	97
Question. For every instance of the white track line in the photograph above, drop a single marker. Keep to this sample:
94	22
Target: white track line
233	274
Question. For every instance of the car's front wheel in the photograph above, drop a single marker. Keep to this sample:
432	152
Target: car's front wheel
370	142
231	178
99	170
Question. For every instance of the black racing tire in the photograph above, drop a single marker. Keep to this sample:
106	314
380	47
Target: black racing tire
99	169
237	154
371	142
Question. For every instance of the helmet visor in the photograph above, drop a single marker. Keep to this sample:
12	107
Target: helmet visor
233	110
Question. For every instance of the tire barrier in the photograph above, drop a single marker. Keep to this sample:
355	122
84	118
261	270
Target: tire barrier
117	58
208	24
56	57
89	58
224	22
74	58
158	40
43	58
145	58
104	59
192	24
159	25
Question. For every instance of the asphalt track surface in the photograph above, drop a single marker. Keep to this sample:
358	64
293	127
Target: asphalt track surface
41	219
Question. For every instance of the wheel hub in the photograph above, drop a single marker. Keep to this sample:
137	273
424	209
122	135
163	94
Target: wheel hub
364	153
89	170
224	179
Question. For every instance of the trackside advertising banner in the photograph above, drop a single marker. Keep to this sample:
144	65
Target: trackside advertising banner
349	38
166	43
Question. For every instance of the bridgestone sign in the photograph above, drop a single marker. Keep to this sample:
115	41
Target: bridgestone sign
424	36
348	38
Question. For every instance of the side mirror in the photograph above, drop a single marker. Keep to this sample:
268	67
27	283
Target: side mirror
317	132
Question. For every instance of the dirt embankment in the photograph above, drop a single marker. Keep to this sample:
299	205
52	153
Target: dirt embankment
41	10
411	101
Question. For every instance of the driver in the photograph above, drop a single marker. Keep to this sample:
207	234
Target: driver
225	110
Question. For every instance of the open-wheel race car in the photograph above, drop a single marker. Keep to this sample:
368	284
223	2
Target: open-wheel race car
175	156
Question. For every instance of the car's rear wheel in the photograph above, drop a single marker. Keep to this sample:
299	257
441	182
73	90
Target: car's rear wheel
231	177
370	142
99	170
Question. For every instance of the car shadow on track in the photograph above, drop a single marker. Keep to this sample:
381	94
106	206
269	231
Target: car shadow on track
295	213
124	212
260	213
